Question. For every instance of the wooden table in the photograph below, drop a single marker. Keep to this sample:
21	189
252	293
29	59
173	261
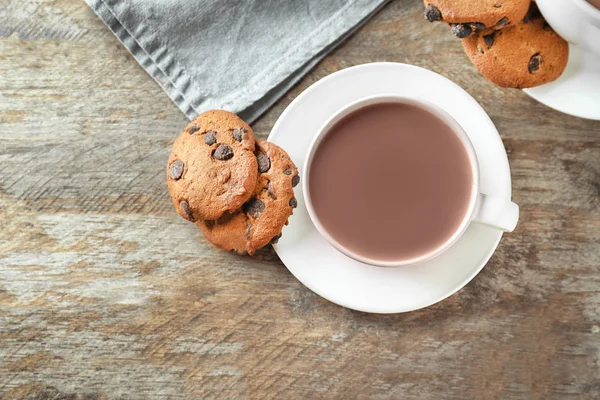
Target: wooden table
106	293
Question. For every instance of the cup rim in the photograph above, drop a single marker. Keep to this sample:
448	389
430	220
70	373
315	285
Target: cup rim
588	8
386	98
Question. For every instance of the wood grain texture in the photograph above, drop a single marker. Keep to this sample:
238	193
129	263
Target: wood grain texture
106	294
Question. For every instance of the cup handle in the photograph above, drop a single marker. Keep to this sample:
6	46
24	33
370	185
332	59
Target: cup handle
496	212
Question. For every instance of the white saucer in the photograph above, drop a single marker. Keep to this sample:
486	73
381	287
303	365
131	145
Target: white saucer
577	91
358	286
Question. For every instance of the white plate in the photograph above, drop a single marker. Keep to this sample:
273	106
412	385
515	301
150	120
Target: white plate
577	91
361	287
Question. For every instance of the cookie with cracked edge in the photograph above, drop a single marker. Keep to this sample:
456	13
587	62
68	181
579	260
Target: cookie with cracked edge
470	16
212	169
261	219
525	55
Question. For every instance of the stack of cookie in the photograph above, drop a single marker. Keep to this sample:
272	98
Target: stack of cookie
508	41
238	190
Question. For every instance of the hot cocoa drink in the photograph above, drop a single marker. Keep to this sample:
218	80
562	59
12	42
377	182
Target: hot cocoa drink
391	182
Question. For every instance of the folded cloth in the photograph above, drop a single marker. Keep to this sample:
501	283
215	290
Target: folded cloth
238	55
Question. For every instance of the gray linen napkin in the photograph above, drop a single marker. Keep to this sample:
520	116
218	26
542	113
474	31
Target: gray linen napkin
239	55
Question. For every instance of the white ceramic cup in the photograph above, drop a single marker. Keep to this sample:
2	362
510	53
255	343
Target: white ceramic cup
493	211
577	21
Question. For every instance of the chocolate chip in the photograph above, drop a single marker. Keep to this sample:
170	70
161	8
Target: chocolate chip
534	62
271	192
293	202
295	180
503	22
186	209
248	230
276	238
193	129
254	207
461	30
210	138
489	40
176	169
223	152
288	171
263	163
478	26
432	13
238	133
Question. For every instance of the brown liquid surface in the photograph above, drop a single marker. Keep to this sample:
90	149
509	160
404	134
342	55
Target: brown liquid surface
595	3
391	182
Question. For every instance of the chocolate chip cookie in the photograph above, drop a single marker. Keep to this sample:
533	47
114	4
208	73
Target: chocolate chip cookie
261	219
469	16
525	55
212	169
